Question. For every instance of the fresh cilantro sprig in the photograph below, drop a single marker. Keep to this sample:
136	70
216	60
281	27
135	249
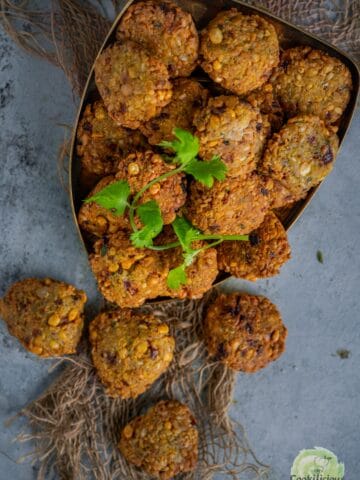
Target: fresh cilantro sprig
115	197
150	215
186	148
187	235
206	172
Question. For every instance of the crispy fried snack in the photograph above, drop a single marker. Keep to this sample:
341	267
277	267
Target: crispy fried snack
263	256
239	51
265	100
235	206
46	316
244	331
138	169
232	129
312	82
130	351
101	143
301	154
201	274
100	221
170	445
188	95
133	85
141	168
167	31
128	275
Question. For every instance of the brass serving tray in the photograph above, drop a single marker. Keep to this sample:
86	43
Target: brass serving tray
203	11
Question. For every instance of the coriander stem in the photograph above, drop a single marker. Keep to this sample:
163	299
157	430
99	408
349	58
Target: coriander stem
162	177
223	237
132	219
214	244
164	247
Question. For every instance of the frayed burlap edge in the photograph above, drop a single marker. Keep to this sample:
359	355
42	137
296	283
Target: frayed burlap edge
68	35
337	21
75	427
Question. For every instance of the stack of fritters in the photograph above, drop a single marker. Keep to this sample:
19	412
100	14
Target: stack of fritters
273	125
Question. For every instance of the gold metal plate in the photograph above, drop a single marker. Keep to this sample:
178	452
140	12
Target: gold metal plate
203	11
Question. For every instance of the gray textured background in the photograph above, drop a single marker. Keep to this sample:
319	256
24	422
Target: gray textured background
309	397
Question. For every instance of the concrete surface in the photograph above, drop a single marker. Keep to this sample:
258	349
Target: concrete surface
309	397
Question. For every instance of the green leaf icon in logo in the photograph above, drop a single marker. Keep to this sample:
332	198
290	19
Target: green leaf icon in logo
317	461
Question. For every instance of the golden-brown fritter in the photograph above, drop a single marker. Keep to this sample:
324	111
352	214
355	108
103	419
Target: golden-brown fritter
126	275
279	195
138	169
170	445
312	82
201	274
301	154
167	31
239	51
130	351
244	331
232	129
261	257
133	84
265	100
101	143
188	95
97	220
46	315
141	168
235	206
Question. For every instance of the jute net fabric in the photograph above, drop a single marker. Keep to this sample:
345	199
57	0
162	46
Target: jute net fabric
74	427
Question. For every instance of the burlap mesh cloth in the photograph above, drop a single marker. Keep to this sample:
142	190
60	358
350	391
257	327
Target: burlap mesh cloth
73	426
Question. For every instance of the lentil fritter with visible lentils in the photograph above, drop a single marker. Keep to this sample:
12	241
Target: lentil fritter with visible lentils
310	81
165	30
101	143
239	51
245	332
232	129
45	315
235	206
262	113
133	84
301	154
163	442
130	351
188	96
267	250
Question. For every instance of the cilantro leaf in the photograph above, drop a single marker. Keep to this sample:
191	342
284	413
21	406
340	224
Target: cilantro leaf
150	215
185	232
114	197
319	256
205	172
186	146
177	277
